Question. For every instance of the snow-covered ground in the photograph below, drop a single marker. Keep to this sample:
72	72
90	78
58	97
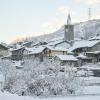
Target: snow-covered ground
7	96
93	90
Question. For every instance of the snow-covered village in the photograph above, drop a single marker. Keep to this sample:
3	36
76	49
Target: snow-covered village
64	64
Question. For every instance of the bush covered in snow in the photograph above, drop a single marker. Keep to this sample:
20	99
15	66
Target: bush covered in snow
39	78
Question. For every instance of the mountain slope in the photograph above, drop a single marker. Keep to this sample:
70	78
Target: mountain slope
84	30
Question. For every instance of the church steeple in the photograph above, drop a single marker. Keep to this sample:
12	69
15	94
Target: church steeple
69	30
69	20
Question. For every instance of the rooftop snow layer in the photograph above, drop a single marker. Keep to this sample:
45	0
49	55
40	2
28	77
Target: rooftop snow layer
81	56
57	48
36	50
83	43
67	57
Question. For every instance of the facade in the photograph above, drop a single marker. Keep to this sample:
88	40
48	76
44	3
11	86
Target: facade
95	56
35	52
57	48
96	47
82	59
17	54
84	46
67	60
4	51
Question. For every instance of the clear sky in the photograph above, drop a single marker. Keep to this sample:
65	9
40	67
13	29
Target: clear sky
20	18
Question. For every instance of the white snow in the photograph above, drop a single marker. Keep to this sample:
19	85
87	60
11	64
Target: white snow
95	52
36	50
95	38
60	43
4	44
7	96
17	48
91	90
82	56
67	57
83	43
57	48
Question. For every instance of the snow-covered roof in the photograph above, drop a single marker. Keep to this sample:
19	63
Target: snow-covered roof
18	47
53	43
4	45
95	52
56	39
60	45
95	38
67	57
36	50
83	43
82	56
27	42
57	48
86	90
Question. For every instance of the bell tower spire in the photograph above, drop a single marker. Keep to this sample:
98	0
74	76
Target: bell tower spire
69	20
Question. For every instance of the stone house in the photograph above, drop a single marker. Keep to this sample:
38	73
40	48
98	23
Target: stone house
84	46
4	50
17	53
67	60
57	48
35	52
82	59
95	56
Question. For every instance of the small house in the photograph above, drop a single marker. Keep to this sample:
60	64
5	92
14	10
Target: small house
57	48
4	50
94	55
67	60
83	46
82	59
17	53
35	52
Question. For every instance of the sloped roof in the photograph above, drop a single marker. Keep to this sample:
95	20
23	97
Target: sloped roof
16	49
67	57
57	48
95	38
36	50
82	56
83	43
60	45
4	45
56	39
95	52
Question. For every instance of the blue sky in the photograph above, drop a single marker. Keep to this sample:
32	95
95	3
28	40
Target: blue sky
21	18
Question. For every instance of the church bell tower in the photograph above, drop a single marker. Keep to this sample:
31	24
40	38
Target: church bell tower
68	30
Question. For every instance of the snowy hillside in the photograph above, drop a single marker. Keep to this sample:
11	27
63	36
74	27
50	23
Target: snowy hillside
86	29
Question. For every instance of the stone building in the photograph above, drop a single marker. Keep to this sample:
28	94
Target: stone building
17	53
67	60
4	50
